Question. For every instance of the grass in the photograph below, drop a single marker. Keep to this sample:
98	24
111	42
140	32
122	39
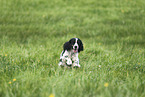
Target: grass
32	33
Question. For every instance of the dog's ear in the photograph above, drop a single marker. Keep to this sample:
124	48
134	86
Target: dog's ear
81	48
67	46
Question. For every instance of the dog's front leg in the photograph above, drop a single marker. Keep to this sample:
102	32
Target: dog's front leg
75	62
62	62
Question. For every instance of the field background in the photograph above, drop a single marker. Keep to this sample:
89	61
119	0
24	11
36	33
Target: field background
32	33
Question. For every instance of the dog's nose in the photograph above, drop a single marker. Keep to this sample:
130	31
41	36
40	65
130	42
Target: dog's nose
75	47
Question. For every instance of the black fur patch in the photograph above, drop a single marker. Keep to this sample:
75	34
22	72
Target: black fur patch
67	46
81	48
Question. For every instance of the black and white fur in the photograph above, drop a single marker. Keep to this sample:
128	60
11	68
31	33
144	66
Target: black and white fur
69	55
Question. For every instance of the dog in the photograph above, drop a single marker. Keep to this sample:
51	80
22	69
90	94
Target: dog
69	55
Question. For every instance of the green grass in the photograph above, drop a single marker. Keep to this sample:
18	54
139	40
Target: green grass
32	33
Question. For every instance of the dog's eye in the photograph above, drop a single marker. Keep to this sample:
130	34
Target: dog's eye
73	42
78	42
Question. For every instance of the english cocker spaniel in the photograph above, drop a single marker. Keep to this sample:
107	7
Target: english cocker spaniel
69	55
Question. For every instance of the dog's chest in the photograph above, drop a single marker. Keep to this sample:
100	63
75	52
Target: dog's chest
71	54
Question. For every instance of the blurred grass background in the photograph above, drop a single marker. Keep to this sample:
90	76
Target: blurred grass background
32	33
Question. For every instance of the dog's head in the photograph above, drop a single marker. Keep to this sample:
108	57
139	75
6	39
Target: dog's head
74	44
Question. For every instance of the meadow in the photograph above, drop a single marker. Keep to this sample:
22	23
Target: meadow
32	33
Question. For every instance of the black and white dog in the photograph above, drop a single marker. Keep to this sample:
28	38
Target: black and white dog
69	55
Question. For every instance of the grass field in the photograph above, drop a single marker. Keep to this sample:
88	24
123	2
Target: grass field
32	33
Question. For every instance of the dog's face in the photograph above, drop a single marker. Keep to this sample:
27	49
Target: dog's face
76	45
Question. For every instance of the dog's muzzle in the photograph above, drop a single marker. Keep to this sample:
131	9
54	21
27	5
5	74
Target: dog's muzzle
75	49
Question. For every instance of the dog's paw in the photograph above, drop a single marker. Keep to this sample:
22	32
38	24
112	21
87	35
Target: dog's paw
60	64
76	65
